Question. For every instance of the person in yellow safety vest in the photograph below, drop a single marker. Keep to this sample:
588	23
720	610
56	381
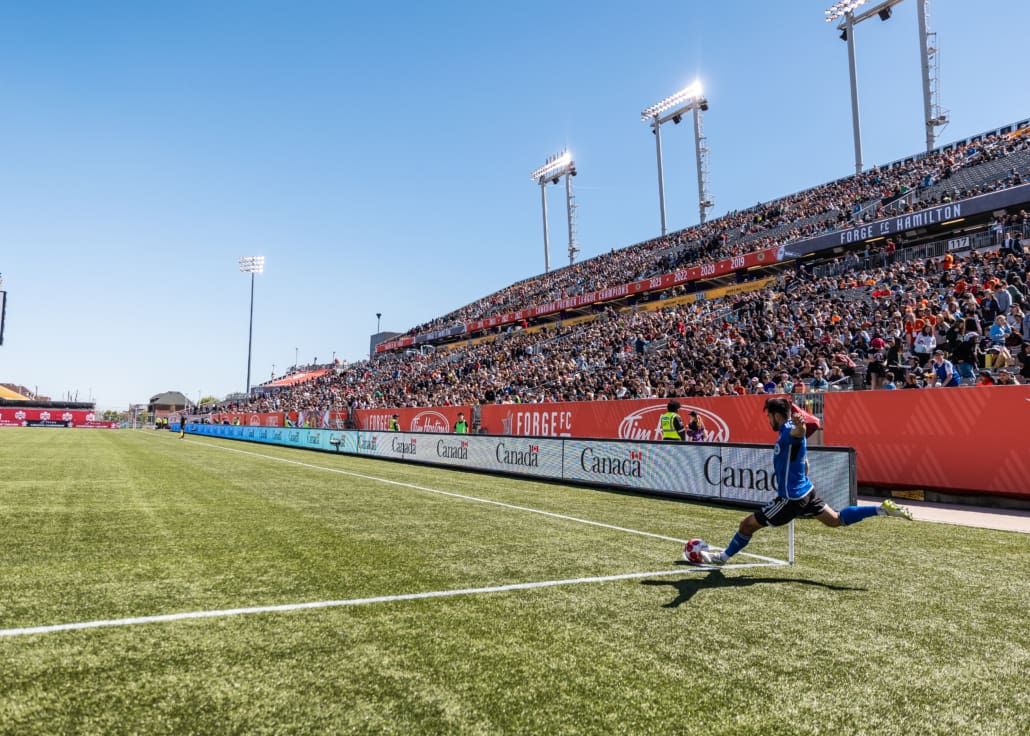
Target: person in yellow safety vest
395	425
671	424
236	422
461	426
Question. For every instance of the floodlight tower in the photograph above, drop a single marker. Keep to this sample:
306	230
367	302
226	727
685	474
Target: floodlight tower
557	166
251	265
689	99
933	116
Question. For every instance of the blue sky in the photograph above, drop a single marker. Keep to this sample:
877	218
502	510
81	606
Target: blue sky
378	156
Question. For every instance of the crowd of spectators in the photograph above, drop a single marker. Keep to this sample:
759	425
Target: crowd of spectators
906	324
909	186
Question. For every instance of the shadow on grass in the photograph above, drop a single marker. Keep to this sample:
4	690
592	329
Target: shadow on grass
692	584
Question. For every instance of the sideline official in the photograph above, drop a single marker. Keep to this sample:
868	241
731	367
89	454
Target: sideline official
671	425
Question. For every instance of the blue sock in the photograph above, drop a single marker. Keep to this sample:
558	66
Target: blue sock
736	544
854	514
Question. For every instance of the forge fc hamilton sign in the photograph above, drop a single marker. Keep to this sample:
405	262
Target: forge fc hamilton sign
910	221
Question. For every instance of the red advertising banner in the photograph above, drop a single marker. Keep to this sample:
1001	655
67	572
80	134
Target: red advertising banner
434	419
726	418
962	439
311	419
18	417
954	439
765	257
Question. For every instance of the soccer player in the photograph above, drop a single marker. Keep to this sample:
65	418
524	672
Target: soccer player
795	495
182	426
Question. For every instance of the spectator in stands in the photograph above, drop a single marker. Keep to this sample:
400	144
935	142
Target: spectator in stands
944	371
989	308
786	384
1002	297
896	353
876	371
1024	362
1005	378
819	382
889	384
924	344
911	381
696	428
1015	319
836	378
967	356
998	356
1000	330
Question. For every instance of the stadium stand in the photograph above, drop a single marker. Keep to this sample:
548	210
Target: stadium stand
845	321
975	167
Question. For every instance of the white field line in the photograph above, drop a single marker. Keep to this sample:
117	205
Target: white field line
476	499
168	617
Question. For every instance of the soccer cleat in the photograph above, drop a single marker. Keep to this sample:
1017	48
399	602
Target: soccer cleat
890	508
709	557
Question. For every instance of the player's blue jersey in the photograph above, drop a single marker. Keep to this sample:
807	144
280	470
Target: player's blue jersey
789	460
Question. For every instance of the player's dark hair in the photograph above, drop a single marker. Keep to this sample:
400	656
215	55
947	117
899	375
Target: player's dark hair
777	406
673	406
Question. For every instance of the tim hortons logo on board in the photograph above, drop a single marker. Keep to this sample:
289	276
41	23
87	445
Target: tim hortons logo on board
429	421
643	424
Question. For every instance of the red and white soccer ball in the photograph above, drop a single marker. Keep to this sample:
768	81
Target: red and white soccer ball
692	550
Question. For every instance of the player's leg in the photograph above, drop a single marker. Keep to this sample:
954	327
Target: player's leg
854	514
748	526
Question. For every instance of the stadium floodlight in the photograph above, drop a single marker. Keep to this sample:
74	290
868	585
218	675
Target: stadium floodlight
688	99
252	265
839	10
554	168
686	94
932	114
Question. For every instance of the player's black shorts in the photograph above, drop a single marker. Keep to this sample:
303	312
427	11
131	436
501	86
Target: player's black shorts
781	510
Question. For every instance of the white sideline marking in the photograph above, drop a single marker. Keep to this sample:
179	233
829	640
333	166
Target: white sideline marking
770	560
445	493
164	618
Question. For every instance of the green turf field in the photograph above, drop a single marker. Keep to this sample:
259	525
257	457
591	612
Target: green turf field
887	627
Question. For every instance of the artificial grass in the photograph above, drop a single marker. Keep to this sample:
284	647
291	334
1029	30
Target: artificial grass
885	627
